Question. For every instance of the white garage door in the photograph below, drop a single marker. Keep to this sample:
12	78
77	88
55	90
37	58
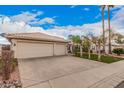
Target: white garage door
59	49
30	50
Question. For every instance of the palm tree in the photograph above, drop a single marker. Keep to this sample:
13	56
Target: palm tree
109	6
103	8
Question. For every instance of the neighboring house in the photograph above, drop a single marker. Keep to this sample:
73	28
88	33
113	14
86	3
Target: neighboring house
32	45
113	46
113	42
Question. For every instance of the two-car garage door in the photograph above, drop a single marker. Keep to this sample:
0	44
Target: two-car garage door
44	49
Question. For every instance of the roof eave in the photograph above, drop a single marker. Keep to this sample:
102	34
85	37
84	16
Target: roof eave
34	39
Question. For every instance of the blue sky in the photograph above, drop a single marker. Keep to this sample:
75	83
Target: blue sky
59	20
64	15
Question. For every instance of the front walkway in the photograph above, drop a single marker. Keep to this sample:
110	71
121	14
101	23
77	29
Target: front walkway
70	72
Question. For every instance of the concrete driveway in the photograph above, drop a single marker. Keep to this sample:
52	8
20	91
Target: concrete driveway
43	72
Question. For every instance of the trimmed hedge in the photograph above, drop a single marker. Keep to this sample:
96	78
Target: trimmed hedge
118	51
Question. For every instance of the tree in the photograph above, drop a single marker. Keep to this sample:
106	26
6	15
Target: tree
87	43
100	42
119	39
103	8
75	39
109	6
90	39
76	42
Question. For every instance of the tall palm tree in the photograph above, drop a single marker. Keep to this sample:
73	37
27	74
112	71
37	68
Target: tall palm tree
103	27
109	27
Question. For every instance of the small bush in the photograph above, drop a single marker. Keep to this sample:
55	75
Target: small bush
118	51
76	50
13	65
1	66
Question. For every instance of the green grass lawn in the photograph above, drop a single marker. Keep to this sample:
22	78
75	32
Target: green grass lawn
105	59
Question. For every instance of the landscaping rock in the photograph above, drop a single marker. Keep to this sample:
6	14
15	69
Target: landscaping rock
11	84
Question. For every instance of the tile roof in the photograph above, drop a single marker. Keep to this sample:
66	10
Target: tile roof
35	36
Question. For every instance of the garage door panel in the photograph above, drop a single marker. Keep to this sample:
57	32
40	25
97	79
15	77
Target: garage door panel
28	50
59	49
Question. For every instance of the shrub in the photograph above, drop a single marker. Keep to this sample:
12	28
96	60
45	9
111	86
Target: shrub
1	67
118	51
76	50
85	49
13	65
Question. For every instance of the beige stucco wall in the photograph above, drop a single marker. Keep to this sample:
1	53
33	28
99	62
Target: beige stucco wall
32	49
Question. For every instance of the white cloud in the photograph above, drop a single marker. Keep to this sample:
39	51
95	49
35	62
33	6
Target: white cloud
118	21
32	18
46	20
116	7
117	26
26	16
4	41
98	15
73	6
118	14
86	9
77	30
10	26
16	27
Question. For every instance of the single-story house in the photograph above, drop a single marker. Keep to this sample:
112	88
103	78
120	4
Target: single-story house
114	45
32	45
